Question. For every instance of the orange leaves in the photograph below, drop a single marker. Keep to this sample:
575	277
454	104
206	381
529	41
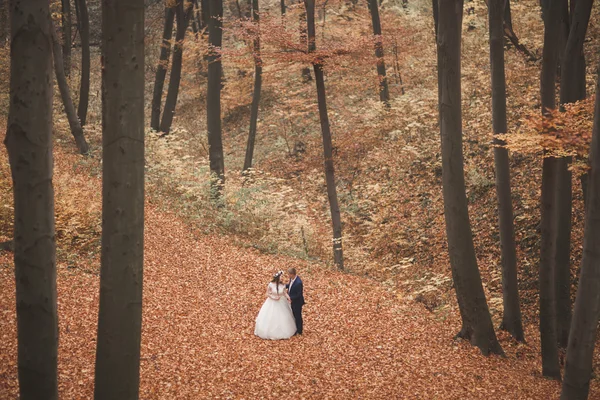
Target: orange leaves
560	133
201	295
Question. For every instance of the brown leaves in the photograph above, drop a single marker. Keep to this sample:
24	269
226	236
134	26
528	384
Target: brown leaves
560	133
201	296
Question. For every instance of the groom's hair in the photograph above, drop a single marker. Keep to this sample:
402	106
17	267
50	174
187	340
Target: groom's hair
292	271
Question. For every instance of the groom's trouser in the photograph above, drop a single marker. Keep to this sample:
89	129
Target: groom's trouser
297	311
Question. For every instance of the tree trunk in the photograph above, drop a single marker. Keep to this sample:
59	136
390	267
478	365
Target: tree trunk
550	366
563	37
205	12
582	336
63	85
562	252
336	222
183	17
283	8
507	19
584	180
198	16
29	144
477	322
256	93
511	320
66	35
121	274
510	33
573	66
161	70
84	88
194	18
436	12
384	92
572	89
213	97
304	40
4	26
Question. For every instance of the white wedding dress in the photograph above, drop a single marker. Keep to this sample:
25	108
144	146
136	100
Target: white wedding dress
275	319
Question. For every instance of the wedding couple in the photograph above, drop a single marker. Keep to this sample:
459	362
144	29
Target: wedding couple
280	317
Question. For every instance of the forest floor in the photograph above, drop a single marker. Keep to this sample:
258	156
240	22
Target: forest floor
385	328
201	295
363	338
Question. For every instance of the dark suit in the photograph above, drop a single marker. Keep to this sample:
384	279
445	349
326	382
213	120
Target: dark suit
297	295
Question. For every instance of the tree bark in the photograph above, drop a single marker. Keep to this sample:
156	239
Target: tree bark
582	336
183	17
205	12
256	93
477	322
510	33
84	87
572	89
66	35
550	366
194	18
384	92
4	25
29	144
562	252
304	41
65	93
161	70
121	273
436	12
213	97
336	222
511	320
198	16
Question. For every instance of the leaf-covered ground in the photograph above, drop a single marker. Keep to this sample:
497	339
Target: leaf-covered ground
201	296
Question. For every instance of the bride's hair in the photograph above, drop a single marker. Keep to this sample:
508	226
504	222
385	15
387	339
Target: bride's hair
277	279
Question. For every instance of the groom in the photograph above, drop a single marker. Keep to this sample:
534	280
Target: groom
297	297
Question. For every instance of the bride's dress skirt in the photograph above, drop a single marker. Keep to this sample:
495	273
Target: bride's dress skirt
275	320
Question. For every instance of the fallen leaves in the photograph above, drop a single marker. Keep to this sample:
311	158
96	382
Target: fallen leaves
201	296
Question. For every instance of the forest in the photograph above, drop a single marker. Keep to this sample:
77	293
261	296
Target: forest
431	168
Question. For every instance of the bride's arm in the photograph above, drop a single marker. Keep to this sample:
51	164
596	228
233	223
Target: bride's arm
270	293
287	296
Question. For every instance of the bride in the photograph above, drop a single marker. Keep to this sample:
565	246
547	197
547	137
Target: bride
275	319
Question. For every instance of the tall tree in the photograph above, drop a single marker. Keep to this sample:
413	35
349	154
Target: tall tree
183	13
121	272
511	320
384	92
477	322
257	88
334	208
572	89
204	12
195	18
304	45
436	17
512	36
4	26
65	93
582	336
66	35
213	96
550	366
84	85
161	70
29	144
